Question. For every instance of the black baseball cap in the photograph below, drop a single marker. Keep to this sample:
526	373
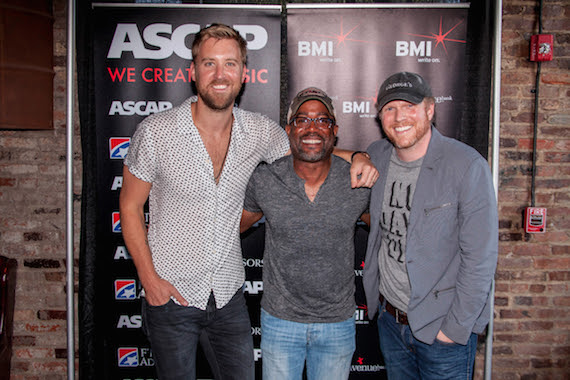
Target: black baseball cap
407	86
310	93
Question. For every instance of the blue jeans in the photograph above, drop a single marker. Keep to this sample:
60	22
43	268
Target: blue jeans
174	332
407	358
327	348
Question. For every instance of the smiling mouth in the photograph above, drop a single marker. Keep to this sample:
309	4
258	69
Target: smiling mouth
403	128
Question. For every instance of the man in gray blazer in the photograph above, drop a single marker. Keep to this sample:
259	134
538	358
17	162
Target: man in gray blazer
433	242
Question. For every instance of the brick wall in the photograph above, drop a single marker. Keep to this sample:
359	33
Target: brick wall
32	228
532	314
532	324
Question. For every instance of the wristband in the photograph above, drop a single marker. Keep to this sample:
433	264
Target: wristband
361	152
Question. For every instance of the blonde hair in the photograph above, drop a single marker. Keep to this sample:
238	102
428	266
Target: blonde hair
219	32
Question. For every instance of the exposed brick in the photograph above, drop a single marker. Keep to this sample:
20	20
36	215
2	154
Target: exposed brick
26	340
52	314
33	236
7	181
42	263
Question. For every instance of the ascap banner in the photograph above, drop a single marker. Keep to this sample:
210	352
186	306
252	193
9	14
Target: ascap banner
348	51
142	62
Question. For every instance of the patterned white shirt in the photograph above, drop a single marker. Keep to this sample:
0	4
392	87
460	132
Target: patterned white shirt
194	224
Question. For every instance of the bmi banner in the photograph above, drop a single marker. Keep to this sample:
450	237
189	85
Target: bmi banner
142	66
348	51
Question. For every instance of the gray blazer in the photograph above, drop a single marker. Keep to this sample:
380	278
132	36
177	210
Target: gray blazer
451	244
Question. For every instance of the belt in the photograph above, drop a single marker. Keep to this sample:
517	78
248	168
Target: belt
401	317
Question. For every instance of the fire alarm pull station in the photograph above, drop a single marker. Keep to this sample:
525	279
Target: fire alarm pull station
541	47
535	220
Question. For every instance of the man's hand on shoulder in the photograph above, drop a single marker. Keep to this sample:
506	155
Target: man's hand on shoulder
362	172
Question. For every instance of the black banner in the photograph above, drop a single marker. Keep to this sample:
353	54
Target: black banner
142	66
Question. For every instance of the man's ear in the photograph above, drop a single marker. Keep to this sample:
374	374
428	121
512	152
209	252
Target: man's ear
244	74
193	71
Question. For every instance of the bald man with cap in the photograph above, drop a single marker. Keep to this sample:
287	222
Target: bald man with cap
433	242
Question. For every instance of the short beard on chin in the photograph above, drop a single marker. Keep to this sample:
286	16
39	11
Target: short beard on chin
222	105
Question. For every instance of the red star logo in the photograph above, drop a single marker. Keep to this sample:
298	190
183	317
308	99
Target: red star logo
441	37
342	36
360	360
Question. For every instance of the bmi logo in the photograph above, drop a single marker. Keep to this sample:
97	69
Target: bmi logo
125	290
128	357
118	147
116	222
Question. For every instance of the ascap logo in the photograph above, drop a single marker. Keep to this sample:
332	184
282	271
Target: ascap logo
164	41
117	182
121	253
141	108
129	322
253	287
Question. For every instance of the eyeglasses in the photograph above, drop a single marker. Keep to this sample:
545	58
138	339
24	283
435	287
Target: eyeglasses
302	122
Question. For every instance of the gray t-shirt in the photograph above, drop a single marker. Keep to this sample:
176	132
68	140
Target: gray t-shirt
398	195
308	263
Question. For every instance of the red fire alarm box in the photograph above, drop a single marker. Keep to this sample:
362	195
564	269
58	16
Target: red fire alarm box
535	220
541	47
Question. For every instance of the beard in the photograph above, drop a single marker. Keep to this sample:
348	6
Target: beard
311	155
218	102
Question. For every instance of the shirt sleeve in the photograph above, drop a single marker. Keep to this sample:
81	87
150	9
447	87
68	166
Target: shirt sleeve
250	201
141	158
278	142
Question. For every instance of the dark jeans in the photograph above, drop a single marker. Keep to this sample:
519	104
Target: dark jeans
407	358
174	332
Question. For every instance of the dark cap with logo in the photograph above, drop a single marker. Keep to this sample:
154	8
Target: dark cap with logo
310	93
407	86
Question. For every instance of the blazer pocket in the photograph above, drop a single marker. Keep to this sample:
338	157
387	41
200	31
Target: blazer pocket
428	211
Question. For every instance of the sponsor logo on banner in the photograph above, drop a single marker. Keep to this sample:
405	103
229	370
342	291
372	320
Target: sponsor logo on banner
134	357
165	41
128	357
121	253
117	183
423	49
253	287
129	322
358	272
118	147
141	108
255	330
364	107
252	263
116	216
125	289
361	315
116	221
361	366
442	99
